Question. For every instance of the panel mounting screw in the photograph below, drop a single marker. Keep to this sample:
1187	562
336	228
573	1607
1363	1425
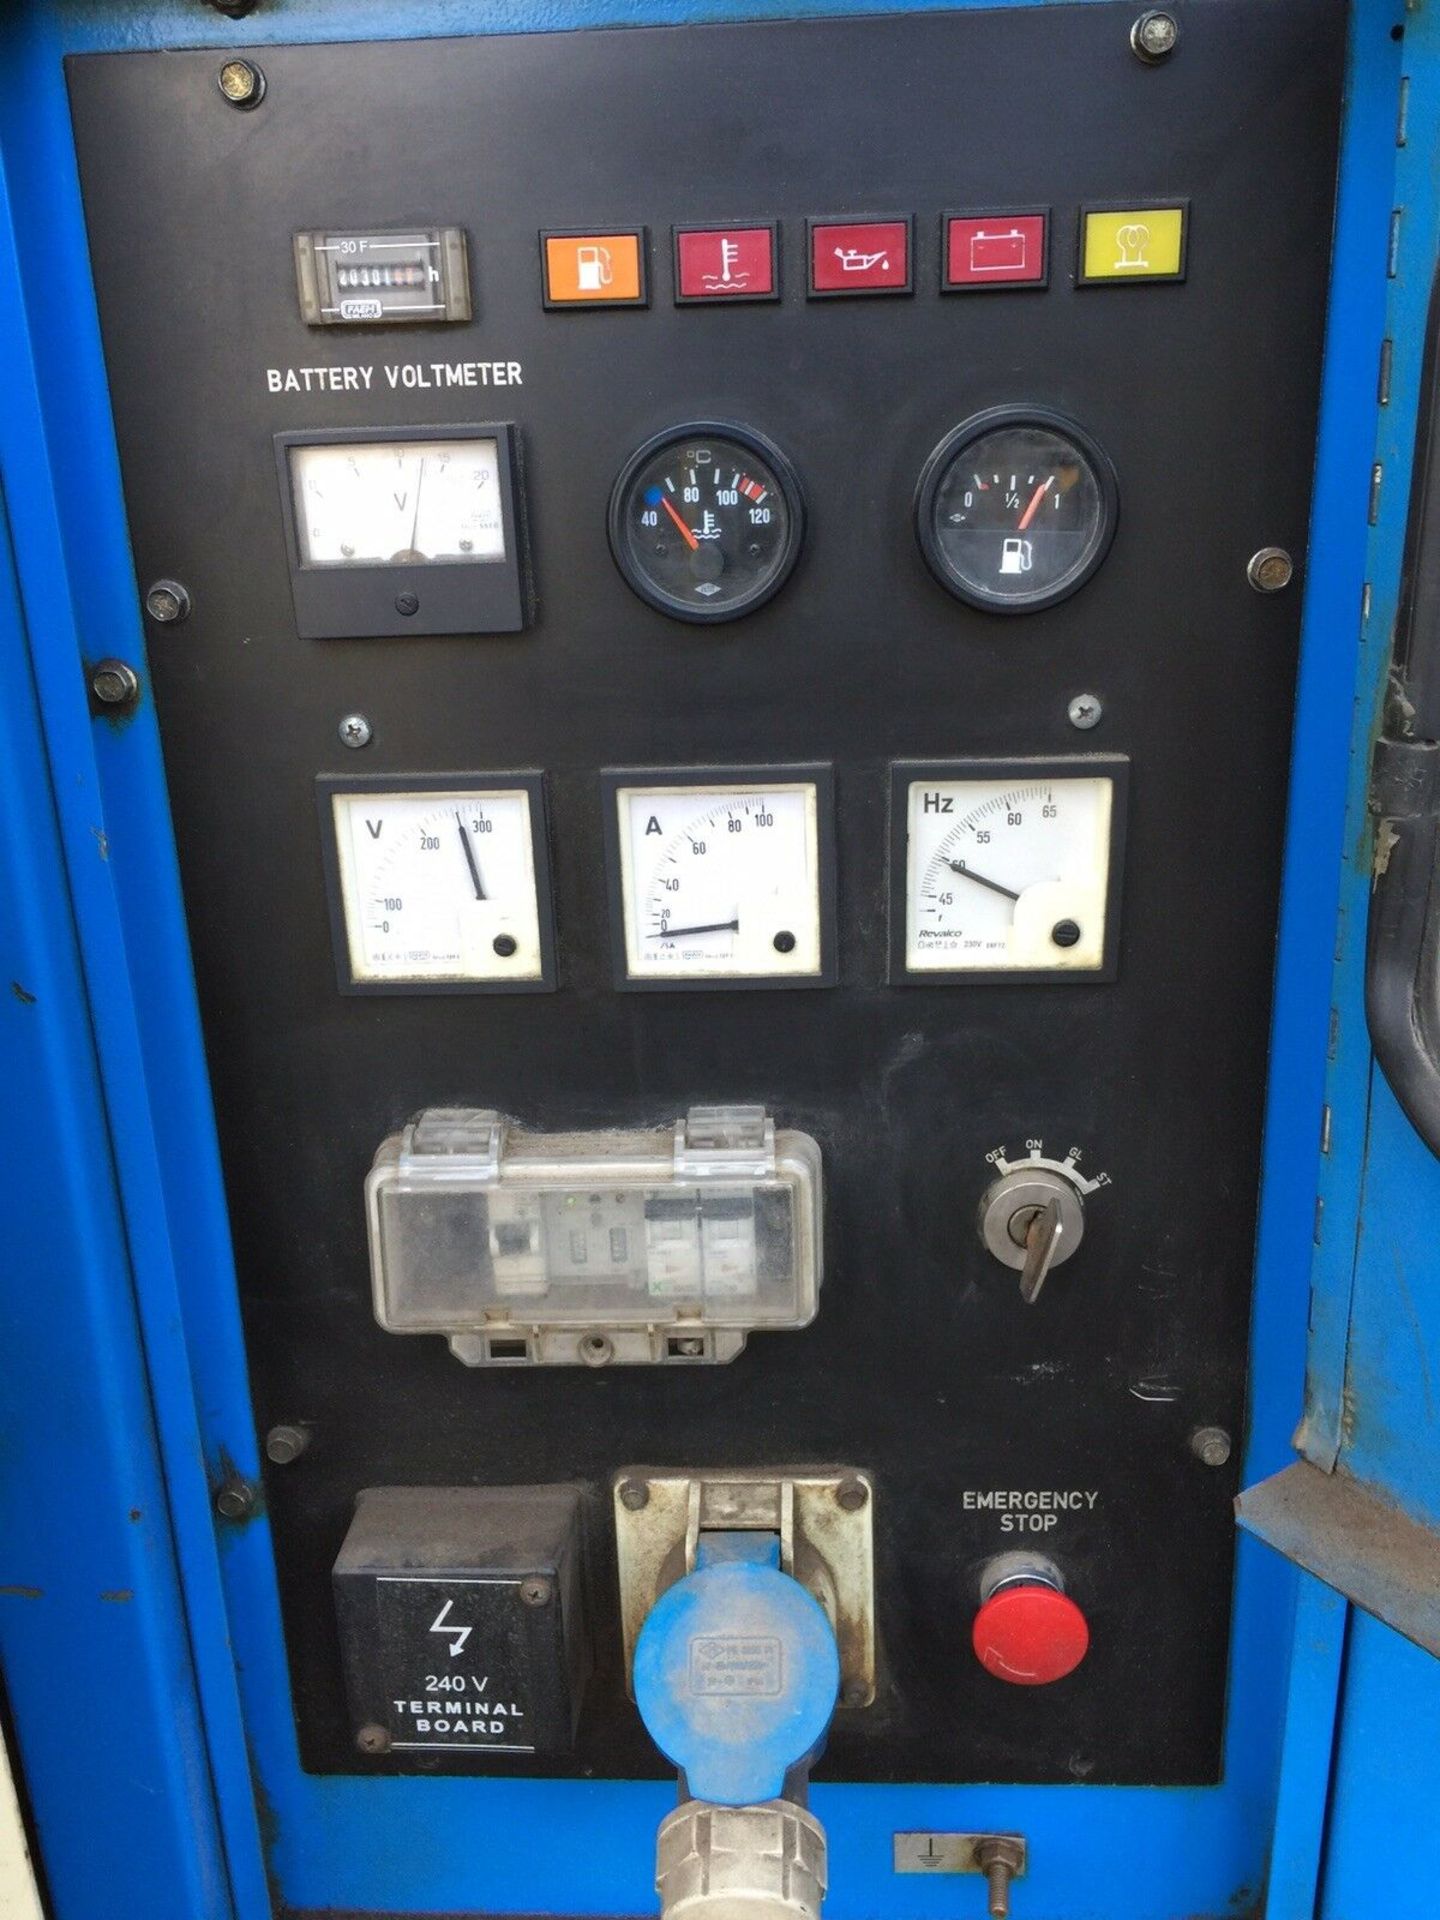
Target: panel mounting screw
1210	1445
355	731
634	1496
999	1859
1085	711
115	684
235	1499
241	84
852	1493
1154	36
1270	570
373	1739
286	1443
536	1592
167	602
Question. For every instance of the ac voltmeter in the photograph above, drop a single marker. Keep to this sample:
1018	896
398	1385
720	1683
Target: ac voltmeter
438	883
1006	869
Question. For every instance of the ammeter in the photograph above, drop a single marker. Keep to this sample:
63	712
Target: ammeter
721	879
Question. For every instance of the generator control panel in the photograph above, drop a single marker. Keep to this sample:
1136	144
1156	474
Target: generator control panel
727	726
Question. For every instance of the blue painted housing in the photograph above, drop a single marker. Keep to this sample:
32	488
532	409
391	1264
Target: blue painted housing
181	1798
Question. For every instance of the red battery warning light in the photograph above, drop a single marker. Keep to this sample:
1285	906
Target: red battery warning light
995	250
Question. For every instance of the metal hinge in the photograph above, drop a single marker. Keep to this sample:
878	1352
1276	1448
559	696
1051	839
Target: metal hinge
728	1141
1403	778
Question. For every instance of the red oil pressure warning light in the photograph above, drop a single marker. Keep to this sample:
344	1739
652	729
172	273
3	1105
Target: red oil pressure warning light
1028	1631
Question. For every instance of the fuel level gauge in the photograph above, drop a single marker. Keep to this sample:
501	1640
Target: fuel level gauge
1016	510
438	884
1006	869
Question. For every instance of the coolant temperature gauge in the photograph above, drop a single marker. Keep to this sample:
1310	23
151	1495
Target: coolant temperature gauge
1010	869
438	885
722	880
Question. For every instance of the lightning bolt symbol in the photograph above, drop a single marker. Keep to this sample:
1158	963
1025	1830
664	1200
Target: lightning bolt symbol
457	1636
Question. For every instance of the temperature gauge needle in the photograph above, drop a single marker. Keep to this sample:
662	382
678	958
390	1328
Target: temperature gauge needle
690	540
470	858
969	873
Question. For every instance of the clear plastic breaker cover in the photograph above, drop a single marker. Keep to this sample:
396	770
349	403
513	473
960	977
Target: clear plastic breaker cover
587	1248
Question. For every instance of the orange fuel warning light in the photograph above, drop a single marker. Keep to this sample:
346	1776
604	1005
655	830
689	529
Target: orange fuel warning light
594	269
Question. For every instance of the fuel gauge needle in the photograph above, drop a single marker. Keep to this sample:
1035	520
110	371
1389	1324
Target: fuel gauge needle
690	540
470	858
1034	506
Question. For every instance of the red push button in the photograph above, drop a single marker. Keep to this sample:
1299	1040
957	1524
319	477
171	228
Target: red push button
863	256
1030	1635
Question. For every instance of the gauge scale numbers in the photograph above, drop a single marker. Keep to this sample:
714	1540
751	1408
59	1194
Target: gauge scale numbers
705	523
439	886
720	883
398	503
1016	511
1009	873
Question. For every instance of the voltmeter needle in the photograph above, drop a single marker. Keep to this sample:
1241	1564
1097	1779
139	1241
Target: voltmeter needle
470	858
690	540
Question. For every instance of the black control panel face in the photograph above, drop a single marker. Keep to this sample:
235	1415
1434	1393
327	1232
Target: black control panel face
717	578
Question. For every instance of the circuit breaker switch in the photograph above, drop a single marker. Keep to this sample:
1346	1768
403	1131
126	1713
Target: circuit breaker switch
1028	1632
657	1246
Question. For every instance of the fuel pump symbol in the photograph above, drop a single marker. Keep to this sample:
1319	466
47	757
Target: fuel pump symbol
594	269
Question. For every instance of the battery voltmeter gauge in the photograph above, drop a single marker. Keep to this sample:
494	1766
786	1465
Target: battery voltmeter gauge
438	883
1016	510
706	521
722	879
1006	869
397	532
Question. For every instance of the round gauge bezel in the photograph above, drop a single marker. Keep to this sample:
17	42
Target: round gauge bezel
979	426
789	484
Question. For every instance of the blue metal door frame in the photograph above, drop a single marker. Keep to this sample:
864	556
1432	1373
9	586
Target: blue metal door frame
137	1316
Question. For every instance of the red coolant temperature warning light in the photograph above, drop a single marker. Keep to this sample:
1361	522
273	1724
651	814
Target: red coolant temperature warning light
1028	1632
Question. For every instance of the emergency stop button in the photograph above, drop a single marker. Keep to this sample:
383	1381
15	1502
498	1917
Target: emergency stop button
1028	1632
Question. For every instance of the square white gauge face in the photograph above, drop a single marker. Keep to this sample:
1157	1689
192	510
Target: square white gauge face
440	886
721	882
397	502
1008	873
